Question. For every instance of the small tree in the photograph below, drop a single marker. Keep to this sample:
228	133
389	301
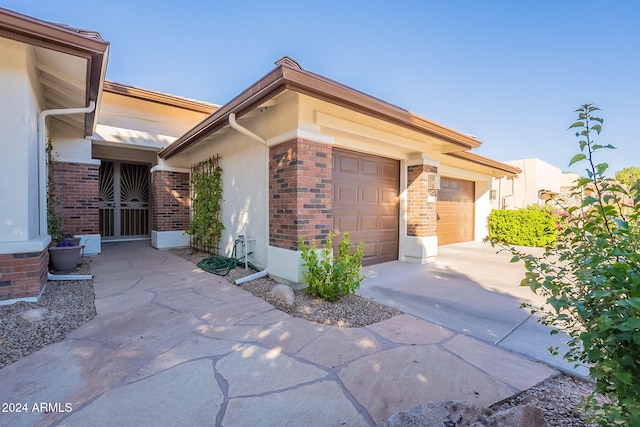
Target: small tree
591	280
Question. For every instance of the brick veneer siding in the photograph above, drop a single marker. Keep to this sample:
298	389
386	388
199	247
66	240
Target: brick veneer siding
23	275
169	201
299	192
78	186
421	215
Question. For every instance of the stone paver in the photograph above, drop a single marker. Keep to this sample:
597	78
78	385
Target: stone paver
396	380
172	345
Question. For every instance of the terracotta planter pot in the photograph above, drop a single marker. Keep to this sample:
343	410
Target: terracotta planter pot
64	258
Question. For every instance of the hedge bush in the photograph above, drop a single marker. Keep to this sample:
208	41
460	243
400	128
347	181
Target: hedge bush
523	227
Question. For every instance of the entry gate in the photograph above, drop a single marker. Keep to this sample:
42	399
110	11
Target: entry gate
124	200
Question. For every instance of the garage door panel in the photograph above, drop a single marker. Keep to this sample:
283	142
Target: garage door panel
348	164
389	197
370	168
346	193
345	223
369	195
376	207
368	223
388	223
370	249
390	171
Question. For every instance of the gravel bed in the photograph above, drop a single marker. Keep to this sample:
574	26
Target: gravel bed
64	306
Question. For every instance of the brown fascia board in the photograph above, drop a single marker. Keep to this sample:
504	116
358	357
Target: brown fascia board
266	88
485	161
61	38
160	98
285	77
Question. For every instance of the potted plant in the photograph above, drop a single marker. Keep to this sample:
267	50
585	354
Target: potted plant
64	252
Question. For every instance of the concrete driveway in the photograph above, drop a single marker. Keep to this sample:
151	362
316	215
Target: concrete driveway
473	289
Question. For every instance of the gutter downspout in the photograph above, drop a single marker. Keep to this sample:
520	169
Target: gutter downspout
42	172
234	124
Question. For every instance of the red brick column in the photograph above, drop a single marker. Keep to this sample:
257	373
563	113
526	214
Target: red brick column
23	275
78	186
169	201
421	214
299	192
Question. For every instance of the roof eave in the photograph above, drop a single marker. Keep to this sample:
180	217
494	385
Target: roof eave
285	77
263	90
84	44
159	97
503	168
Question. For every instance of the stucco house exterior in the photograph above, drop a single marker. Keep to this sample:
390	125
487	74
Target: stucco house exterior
302	155
537	182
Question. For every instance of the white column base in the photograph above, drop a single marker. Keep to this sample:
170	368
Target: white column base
420	250
169	239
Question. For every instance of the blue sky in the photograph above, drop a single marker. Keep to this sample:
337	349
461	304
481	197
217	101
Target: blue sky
509	72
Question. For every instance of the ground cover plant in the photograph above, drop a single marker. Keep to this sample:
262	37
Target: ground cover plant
591	280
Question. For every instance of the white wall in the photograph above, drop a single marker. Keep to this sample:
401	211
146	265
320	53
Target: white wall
536	175
18	143
245	190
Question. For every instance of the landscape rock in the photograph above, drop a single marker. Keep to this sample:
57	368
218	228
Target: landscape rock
34	315
283	294
525	416
454	413
450	413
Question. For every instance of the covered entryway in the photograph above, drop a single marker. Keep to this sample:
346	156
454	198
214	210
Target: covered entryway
456	202
124	200
366	203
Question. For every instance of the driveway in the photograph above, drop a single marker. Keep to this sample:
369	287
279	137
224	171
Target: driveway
473	289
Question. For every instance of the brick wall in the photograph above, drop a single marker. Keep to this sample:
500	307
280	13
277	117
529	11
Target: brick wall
169	201
421	215
23	275
78	186
299	192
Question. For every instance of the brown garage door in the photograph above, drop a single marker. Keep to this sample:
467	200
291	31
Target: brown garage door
455	211
365	203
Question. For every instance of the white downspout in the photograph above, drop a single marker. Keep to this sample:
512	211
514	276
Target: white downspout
42	156
42	173
234	124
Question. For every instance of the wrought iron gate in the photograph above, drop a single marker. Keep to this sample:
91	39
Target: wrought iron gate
124	200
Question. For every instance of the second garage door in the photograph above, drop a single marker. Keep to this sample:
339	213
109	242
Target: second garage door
366	203
456	201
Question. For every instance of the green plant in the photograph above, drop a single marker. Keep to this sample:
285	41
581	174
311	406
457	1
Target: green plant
205	226
524	227
591	281
332	277
55	220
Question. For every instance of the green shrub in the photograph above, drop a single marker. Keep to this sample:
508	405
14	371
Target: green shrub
523	227
332	277
591	281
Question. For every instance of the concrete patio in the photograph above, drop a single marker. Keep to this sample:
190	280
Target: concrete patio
173	345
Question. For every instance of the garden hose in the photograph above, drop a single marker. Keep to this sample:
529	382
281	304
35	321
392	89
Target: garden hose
221	265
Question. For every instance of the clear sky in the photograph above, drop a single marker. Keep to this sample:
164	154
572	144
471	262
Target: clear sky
510	72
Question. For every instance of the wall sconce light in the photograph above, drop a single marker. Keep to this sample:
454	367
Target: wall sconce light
493	194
